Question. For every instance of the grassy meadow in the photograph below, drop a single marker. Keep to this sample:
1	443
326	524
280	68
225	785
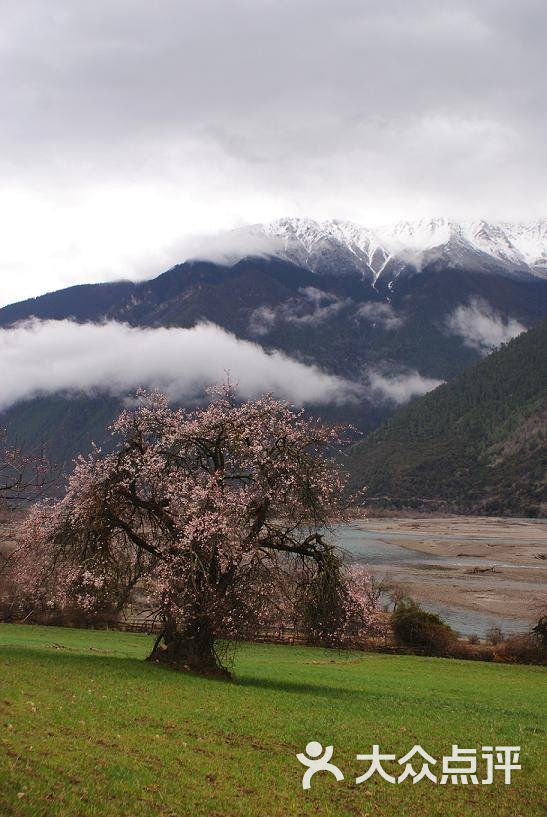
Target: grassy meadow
87	728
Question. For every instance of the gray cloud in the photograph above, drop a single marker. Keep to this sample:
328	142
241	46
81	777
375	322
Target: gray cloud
381	313
399	388
314	306
262	320
45	357
482	327
127	126
228	247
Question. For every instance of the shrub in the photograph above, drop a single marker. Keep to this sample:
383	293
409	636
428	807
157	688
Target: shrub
495	636
415	627
474	639
522	649
540	631
10	605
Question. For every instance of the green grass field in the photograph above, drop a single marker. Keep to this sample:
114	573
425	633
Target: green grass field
88	728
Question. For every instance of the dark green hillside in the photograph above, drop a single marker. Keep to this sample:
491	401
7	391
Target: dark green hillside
476	443
335	336
63	426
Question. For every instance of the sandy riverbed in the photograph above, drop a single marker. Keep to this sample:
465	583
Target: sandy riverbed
516	549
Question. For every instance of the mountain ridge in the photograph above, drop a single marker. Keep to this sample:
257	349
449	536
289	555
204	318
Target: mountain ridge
518	248
340	247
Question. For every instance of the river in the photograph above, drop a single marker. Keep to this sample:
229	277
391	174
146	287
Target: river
378	550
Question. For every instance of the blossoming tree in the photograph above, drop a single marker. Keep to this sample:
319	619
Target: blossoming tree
23	476
220	512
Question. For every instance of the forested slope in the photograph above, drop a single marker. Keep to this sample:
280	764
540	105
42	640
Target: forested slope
475	444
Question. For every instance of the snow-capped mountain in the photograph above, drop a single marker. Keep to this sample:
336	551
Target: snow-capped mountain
518	249
335	295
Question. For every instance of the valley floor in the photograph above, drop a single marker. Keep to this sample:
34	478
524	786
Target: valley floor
493	567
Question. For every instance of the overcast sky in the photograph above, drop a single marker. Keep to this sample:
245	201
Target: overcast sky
129	125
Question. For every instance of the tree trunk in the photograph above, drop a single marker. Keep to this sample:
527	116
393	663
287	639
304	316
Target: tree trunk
191	648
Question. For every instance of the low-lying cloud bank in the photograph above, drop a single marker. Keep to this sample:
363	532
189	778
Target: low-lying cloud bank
313	306
47	357
481	326
400	388
381	313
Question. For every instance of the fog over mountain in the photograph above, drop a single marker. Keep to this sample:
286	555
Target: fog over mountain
347	321
116	359
481	327
383	252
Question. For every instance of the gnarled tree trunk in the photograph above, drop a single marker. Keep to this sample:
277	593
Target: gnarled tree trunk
190	648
